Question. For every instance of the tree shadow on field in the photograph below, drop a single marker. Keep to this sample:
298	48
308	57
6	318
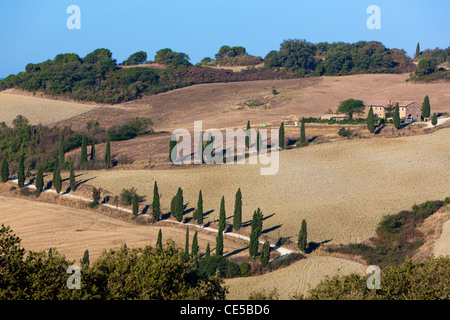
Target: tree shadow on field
229	254
271	229
314	245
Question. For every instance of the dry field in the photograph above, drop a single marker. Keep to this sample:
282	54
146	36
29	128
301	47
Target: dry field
442	244
294	279
220	105
71	231
342	188
38	110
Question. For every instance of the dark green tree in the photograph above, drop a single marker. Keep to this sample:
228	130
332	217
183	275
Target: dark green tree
186	247
396	116
237	217
5	170
72	180
172	149
177	206
83	157
303	141
302	236
219	244
281	135
107	158
416	56
159	240
265	254
247	135
21	172
370	121
194	249
222	215
136	58
208	251
258	141
425	67
85	260
256	229
434	119
57	182
426	107
135	204
156	205
39	183
198	213
351	107
96	195
92	157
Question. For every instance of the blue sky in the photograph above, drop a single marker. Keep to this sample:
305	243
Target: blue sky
35	30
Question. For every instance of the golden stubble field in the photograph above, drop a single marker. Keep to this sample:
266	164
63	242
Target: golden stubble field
342	189
38	110
71	231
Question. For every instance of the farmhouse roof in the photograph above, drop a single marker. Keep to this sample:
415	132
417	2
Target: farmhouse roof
389	102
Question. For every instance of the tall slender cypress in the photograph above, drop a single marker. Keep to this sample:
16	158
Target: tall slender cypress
396	116
61	149
21	172
57	179
107	159
172	149
156	206
208	251
281	135
159	240
219	244
93	150
247	135
302	236
255	232
83	157
5	170
198	213
426	108
237	217
222	215
416	56
370	121
135	204
39	183
194	249
72	180
303	141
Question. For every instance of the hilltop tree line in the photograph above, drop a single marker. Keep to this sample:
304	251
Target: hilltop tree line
98	77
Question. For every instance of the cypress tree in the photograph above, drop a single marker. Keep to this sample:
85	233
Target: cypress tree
265	254
135	204
107	158
303	141
93	150
255	232
253	245
237	217
210	150
57	179
72	181
85	260
396	116
222	215
281	135
186	247
416	56
434	119
370	121
302	236
156	206
159	240
258	141
21	172
198	213
247	135
194	249
5	170
83	157
178	208
61	149
39	181
208	251
200	148
172	148
426	108
219	244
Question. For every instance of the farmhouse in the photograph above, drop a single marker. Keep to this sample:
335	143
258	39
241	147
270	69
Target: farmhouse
337	117
385	109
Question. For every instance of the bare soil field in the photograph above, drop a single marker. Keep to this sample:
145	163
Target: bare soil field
342	188
38	110
71	231
222	105
295	279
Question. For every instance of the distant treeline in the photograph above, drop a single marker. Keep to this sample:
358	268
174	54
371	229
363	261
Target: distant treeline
99	78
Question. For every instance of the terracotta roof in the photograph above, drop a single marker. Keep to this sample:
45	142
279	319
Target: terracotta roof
384	103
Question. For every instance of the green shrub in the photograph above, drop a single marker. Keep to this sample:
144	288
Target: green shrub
220	264
127	195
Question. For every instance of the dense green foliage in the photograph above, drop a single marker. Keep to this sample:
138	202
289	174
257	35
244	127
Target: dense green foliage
134	127
118	274
426	107
4	170
396	116
136	58
370	121
177	205
256	229
338	58
428	280
351	107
